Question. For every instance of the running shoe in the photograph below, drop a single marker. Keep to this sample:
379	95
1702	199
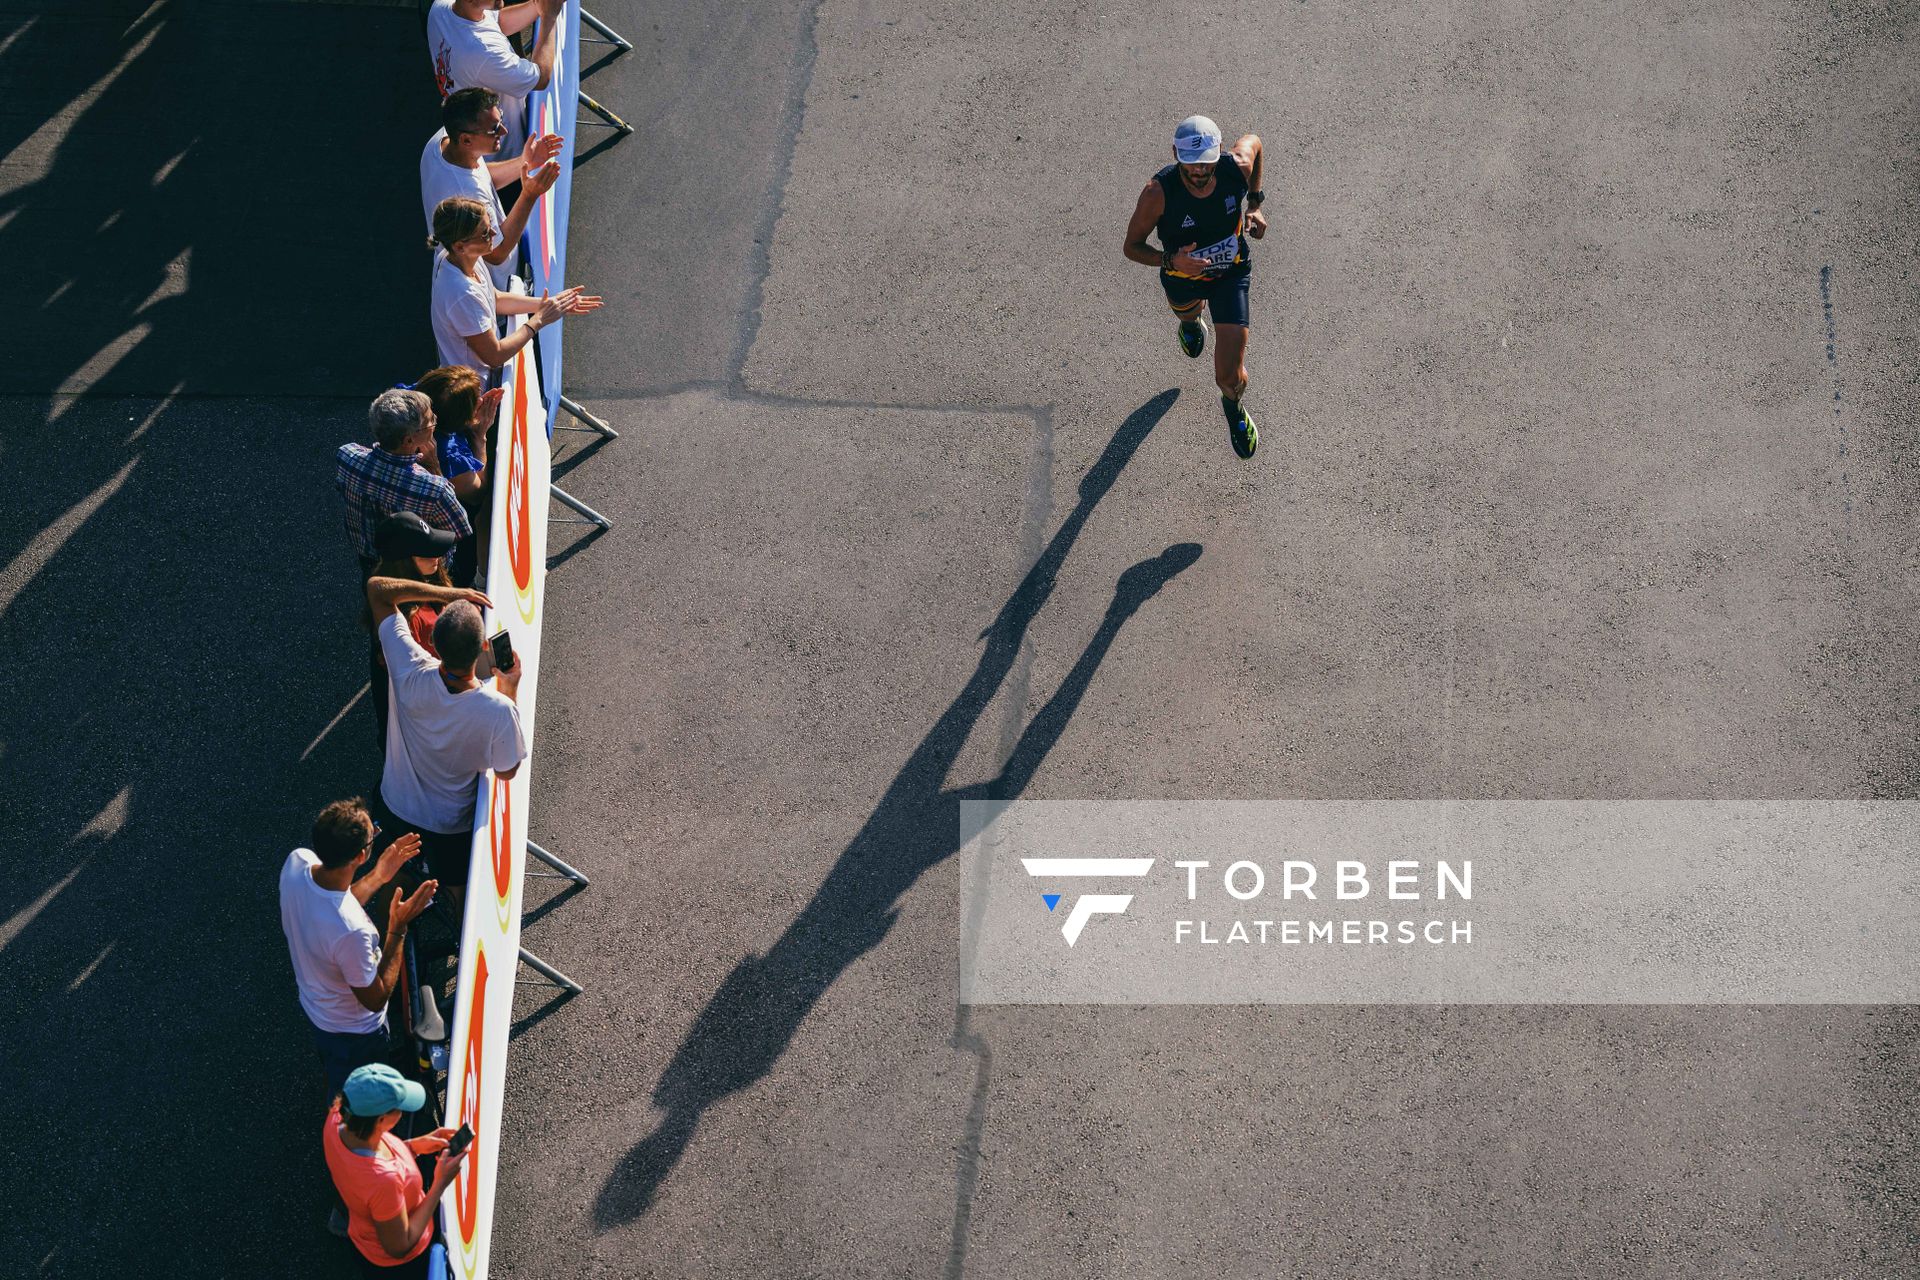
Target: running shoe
1240	429
1193	338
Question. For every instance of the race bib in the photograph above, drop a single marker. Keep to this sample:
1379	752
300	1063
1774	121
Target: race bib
1221	255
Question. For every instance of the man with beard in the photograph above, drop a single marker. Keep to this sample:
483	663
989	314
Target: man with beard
1204	207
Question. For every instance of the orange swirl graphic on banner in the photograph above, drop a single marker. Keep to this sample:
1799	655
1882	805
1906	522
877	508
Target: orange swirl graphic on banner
466	1191
500	837
519	500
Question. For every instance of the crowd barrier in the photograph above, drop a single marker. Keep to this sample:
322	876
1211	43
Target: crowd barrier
490	932
516	568
544	245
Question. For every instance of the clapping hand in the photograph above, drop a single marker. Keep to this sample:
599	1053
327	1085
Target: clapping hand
483	412
574	301
540	149
406	910
399	853
540	181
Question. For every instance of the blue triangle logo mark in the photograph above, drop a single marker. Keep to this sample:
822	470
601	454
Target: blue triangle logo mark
1051	899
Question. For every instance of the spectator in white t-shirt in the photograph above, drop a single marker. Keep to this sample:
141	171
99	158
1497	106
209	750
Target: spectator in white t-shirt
465	303
467	40
344	970
455	164
447	727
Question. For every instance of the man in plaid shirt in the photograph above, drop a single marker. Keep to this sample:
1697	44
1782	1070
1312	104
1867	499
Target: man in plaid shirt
400	472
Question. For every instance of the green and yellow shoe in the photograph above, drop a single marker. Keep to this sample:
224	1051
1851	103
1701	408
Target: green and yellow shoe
1240	429
1193	338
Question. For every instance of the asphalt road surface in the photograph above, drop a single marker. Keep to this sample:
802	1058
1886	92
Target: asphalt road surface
1582	355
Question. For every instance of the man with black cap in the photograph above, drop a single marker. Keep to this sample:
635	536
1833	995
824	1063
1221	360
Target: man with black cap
1204	207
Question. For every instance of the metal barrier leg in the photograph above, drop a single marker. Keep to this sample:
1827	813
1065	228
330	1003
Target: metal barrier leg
612	120
592	516
558	978
612	37
593	421
569	872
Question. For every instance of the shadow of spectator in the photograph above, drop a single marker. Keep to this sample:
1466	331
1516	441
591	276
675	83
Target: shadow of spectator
176	597
191	194
752	1018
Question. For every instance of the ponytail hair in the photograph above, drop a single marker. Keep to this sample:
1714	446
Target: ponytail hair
359	1126
455	219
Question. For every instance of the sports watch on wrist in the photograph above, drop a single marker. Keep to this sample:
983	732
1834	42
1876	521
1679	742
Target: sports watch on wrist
1255	199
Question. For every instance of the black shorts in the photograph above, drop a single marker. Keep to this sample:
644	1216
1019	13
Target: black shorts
1226	297
448	857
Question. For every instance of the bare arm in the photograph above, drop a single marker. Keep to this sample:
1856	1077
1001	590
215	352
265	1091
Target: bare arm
516	18
399	1235
548	48
539	149
493	350
1250	156
538	183
472	482
392	860
386	595
400	913
1146	215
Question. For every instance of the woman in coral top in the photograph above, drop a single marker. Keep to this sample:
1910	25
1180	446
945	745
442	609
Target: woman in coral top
389	1213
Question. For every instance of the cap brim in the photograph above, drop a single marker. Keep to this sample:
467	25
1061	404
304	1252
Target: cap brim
436	543
1210	156
412	1096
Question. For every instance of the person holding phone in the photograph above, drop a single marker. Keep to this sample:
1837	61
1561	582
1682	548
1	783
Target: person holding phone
390	1185
448	725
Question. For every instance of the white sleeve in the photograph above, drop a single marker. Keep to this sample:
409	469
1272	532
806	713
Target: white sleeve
402	652
469	313
499	68
358	955
509	742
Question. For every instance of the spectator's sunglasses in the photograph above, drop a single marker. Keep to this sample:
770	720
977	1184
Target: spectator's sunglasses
375	836
495	131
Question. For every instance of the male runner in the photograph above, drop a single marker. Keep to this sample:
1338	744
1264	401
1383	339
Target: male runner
1200	206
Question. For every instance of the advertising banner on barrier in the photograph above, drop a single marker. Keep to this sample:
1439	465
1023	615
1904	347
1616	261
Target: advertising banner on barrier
490	936
552	110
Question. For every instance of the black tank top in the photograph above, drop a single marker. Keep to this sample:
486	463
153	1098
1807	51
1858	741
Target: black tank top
1211	225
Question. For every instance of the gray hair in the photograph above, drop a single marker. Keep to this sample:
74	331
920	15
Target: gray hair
397	414
458	636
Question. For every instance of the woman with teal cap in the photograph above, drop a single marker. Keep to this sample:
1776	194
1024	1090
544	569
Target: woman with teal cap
389	1211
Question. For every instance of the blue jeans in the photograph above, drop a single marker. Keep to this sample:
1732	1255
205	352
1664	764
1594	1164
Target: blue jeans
342	1051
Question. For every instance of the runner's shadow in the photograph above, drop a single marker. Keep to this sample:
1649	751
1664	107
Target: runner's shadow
752	1018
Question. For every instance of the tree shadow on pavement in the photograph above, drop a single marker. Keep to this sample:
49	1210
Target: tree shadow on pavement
754	1015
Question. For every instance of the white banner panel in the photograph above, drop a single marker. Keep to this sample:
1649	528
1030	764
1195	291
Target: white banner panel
1440	902
490	937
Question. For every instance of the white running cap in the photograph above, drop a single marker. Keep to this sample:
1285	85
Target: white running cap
1197	141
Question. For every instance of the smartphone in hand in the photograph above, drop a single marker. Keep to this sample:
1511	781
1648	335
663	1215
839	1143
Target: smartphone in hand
502	645
460	1141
